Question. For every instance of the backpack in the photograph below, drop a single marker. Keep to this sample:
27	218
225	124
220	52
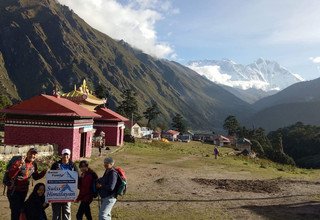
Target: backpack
94	183
121	185
7	181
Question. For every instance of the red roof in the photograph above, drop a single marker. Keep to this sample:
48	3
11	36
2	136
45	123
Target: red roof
172	132
109	115
49	106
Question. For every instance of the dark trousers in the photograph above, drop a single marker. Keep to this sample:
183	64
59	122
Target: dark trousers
16	200
84	208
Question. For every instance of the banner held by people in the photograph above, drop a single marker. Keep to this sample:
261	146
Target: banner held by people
61	186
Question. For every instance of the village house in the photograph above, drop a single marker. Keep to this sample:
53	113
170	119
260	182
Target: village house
146	132
170	135
221	141
186	137
50	119
135	130
243	144
139	132
156	135
203	137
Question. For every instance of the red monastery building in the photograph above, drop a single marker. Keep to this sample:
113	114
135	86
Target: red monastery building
112	124
50	119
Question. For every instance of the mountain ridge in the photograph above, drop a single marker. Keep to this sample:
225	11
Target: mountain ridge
299	102
44	45
262	74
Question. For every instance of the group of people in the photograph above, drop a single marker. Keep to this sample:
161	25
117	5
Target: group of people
22	170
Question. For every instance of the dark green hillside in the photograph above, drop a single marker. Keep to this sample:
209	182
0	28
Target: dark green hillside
283	115
44	43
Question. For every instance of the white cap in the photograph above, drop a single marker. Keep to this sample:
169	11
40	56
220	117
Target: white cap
66	151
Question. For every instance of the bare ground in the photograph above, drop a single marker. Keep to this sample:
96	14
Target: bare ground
194	186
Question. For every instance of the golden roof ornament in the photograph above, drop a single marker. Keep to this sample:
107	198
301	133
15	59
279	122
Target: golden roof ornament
84	97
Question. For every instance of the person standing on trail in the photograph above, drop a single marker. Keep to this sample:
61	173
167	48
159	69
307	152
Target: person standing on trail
216	152
87	181
19	173
63	208
106	187
100	146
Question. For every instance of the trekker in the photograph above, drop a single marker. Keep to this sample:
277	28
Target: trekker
100	146
34	207
87	181
62	211
19	174
216	152
106	186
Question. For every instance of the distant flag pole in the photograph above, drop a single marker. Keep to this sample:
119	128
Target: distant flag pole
131	120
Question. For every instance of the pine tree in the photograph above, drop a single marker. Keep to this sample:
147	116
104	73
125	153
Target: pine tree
231	125
102	92
151	113
4	102
178	123
129	106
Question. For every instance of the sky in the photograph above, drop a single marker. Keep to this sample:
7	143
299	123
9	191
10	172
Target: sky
285	31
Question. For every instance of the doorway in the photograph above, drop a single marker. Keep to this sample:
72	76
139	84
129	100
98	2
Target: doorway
83	144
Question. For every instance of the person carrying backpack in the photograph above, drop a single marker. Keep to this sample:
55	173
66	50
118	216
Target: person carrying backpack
106	186
63	208
17	180
87	187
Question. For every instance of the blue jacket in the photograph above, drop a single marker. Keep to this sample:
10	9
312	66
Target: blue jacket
108	182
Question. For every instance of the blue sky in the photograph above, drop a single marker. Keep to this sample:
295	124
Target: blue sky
286	31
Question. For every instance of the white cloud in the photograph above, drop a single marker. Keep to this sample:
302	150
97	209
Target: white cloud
133	22
315	59
212	73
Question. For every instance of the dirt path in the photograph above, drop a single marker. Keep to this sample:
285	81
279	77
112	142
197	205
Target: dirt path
193	187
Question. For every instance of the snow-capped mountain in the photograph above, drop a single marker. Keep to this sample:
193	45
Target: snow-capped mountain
262	74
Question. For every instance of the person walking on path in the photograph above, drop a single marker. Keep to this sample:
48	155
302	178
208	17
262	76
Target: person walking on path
87	181
216	152
35	206
19	174
106	188
62	210
100	146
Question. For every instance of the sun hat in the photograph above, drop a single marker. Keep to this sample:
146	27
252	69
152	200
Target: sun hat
66	151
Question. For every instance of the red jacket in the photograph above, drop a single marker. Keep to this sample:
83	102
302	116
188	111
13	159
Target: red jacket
86	186
22	175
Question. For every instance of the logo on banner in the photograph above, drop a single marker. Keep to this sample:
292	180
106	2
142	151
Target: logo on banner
61	186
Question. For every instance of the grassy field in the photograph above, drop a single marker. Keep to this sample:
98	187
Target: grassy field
161	186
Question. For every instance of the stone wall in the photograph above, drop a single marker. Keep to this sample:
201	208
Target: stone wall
8	151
